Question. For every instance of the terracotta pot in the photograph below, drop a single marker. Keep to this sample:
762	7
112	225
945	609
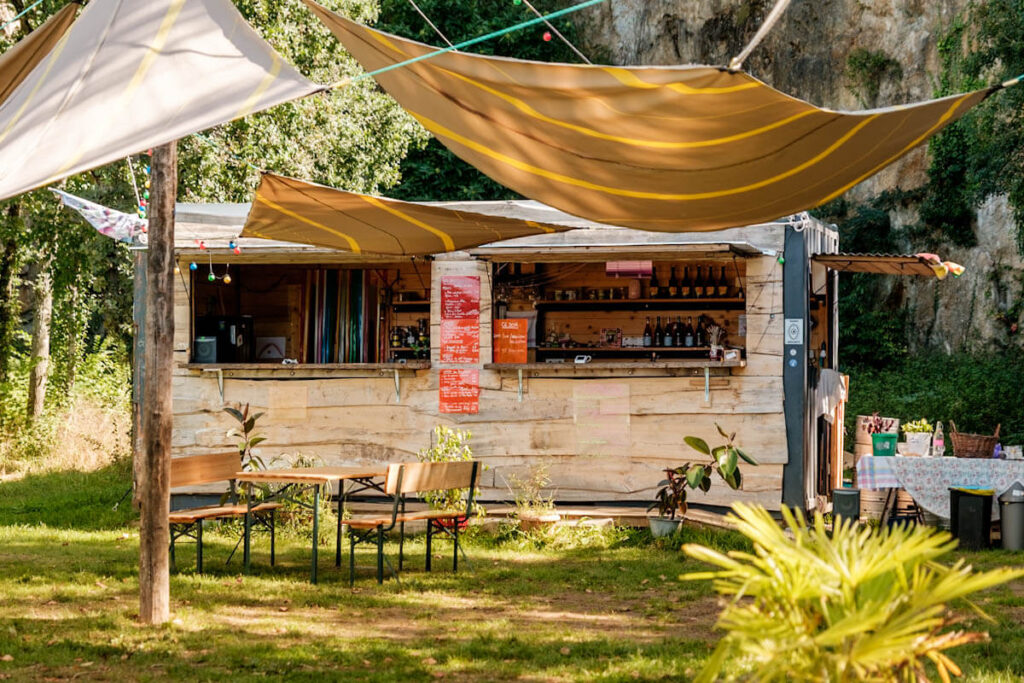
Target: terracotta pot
532	521
663	526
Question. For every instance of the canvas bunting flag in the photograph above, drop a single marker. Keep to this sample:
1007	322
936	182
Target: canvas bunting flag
131	75
120	226
676	148
18	62
293	210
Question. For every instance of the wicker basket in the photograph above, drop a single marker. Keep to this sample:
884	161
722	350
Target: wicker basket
973	445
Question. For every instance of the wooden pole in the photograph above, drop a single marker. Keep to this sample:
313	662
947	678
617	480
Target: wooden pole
154	473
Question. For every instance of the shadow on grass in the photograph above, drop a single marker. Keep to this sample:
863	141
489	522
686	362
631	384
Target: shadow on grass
69	499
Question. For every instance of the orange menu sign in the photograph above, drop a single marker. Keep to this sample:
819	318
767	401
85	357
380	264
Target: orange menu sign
460	391
510	337
460	341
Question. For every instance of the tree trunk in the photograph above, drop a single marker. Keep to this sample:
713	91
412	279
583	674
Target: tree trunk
7	270
40	372
154	474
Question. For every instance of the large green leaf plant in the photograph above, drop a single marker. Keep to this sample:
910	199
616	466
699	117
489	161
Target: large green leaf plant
853	604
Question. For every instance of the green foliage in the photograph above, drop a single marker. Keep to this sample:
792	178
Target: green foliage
671	497
847	605
921	426
979	155
431	172
866	69
975	391
448	445
528	491
247	438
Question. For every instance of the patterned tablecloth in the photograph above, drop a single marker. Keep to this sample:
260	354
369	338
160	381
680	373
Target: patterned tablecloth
928	480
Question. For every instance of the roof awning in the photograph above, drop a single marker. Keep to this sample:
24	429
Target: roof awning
293	210
927	265
18	62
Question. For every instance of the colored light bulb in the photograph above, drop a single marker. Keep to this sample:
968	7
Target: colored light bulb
231	244
192	266
145	195
781	260
227	278
547	36
211	277
176	269
237	250
202	245
517	2
146	169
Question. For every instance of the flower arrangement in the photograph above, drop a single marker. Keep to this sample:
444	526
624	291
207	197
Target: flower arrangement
921	426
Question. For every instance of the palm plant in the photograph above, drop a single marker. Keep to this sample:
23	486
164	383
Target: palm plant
856	605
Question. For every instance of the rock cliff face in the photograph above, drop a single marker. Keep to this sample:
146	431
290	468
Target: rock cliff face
844	54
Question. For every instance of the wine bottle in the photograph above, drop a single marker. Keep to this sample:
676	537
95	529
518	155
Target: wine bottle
700	334
677	332
652	288
723	285
698	284
648	333
688	332
685	284
673	284
668	336
658	332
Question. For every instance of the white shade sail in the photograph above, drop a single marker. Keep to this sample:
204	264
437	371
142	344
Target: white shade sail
134	74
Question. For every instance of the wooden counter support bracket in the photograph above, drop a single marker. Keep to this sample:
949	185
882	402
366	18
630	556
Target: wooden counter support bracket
220	380
707	385
520	372
398	387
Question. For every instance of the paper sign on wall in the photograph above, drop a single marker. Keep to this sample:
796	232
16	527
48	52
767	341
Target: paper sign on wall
460	341
460	297
460	391
510	340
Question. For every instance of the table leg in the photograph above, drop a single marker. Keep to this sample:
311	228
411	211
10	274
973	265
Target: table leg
248	525
316	527
890	503
341	510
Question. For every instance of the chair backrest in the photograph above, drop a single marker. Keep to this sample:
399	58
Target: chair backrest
419	477
203	469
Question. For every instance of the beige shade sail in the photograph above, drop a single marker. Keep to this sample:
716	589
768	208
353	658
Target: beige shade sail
296	211
679	148
132	74
18	62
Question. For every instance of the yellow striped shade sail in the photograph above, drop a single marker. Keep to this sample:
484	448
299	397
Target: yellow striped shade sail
293	210
676	148
18	62
130	75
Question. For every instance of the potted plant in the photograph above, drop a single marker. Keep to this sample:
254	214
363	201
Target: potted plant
534	510
918	435
448	445
671	497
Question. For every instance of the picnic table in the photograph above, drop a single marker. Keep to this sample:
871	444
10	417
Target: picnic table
290	483
928	479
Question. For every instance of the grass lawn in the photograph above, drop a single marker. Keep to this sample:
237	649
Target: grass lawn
601	606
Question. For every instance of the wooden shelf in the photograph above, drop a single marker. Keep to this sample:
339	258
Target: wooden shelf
731	303
411	306
279	368
679	363
635	350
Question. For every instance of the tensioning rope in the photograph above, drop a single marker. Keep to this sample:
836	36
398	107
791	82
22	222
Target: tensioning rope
432	25
558	33
769	23
19	15
466	43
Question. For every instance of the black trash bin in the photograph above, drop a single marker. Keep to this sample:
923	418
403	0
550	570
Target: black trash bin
970	517
845	505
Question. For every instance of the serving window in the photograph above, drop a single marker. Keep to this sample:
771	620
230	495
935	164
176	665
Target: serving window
311	314
626	310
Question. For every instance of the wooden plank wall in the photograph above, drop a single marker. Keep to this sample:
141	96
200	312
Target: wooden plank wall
603	437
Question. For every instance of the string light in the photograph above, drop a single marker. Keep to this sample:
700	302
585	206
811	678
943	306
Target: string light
227	278
193	267
547	36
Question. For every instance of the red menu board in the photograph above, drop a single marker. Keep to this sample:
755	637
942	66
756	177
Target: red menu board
460	297
510	340
460	391
460	341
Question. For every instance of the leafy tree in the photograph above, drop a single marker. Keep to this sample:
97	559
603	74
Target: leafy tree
353	138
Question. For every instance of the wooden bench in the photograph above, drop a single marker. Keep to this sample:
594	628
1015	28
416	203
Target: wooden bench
403	480
206	469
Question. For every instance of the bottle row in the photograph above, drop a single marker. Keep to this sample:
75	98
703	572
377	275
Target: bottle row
694	284
683	335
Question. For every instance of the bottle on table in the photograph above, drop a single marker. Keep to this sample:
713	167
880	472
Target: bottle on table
652	286
658	332
938	441
648	333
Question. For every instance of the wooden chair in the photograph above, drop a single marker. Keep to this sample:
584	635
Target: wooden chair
205	469
404	479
